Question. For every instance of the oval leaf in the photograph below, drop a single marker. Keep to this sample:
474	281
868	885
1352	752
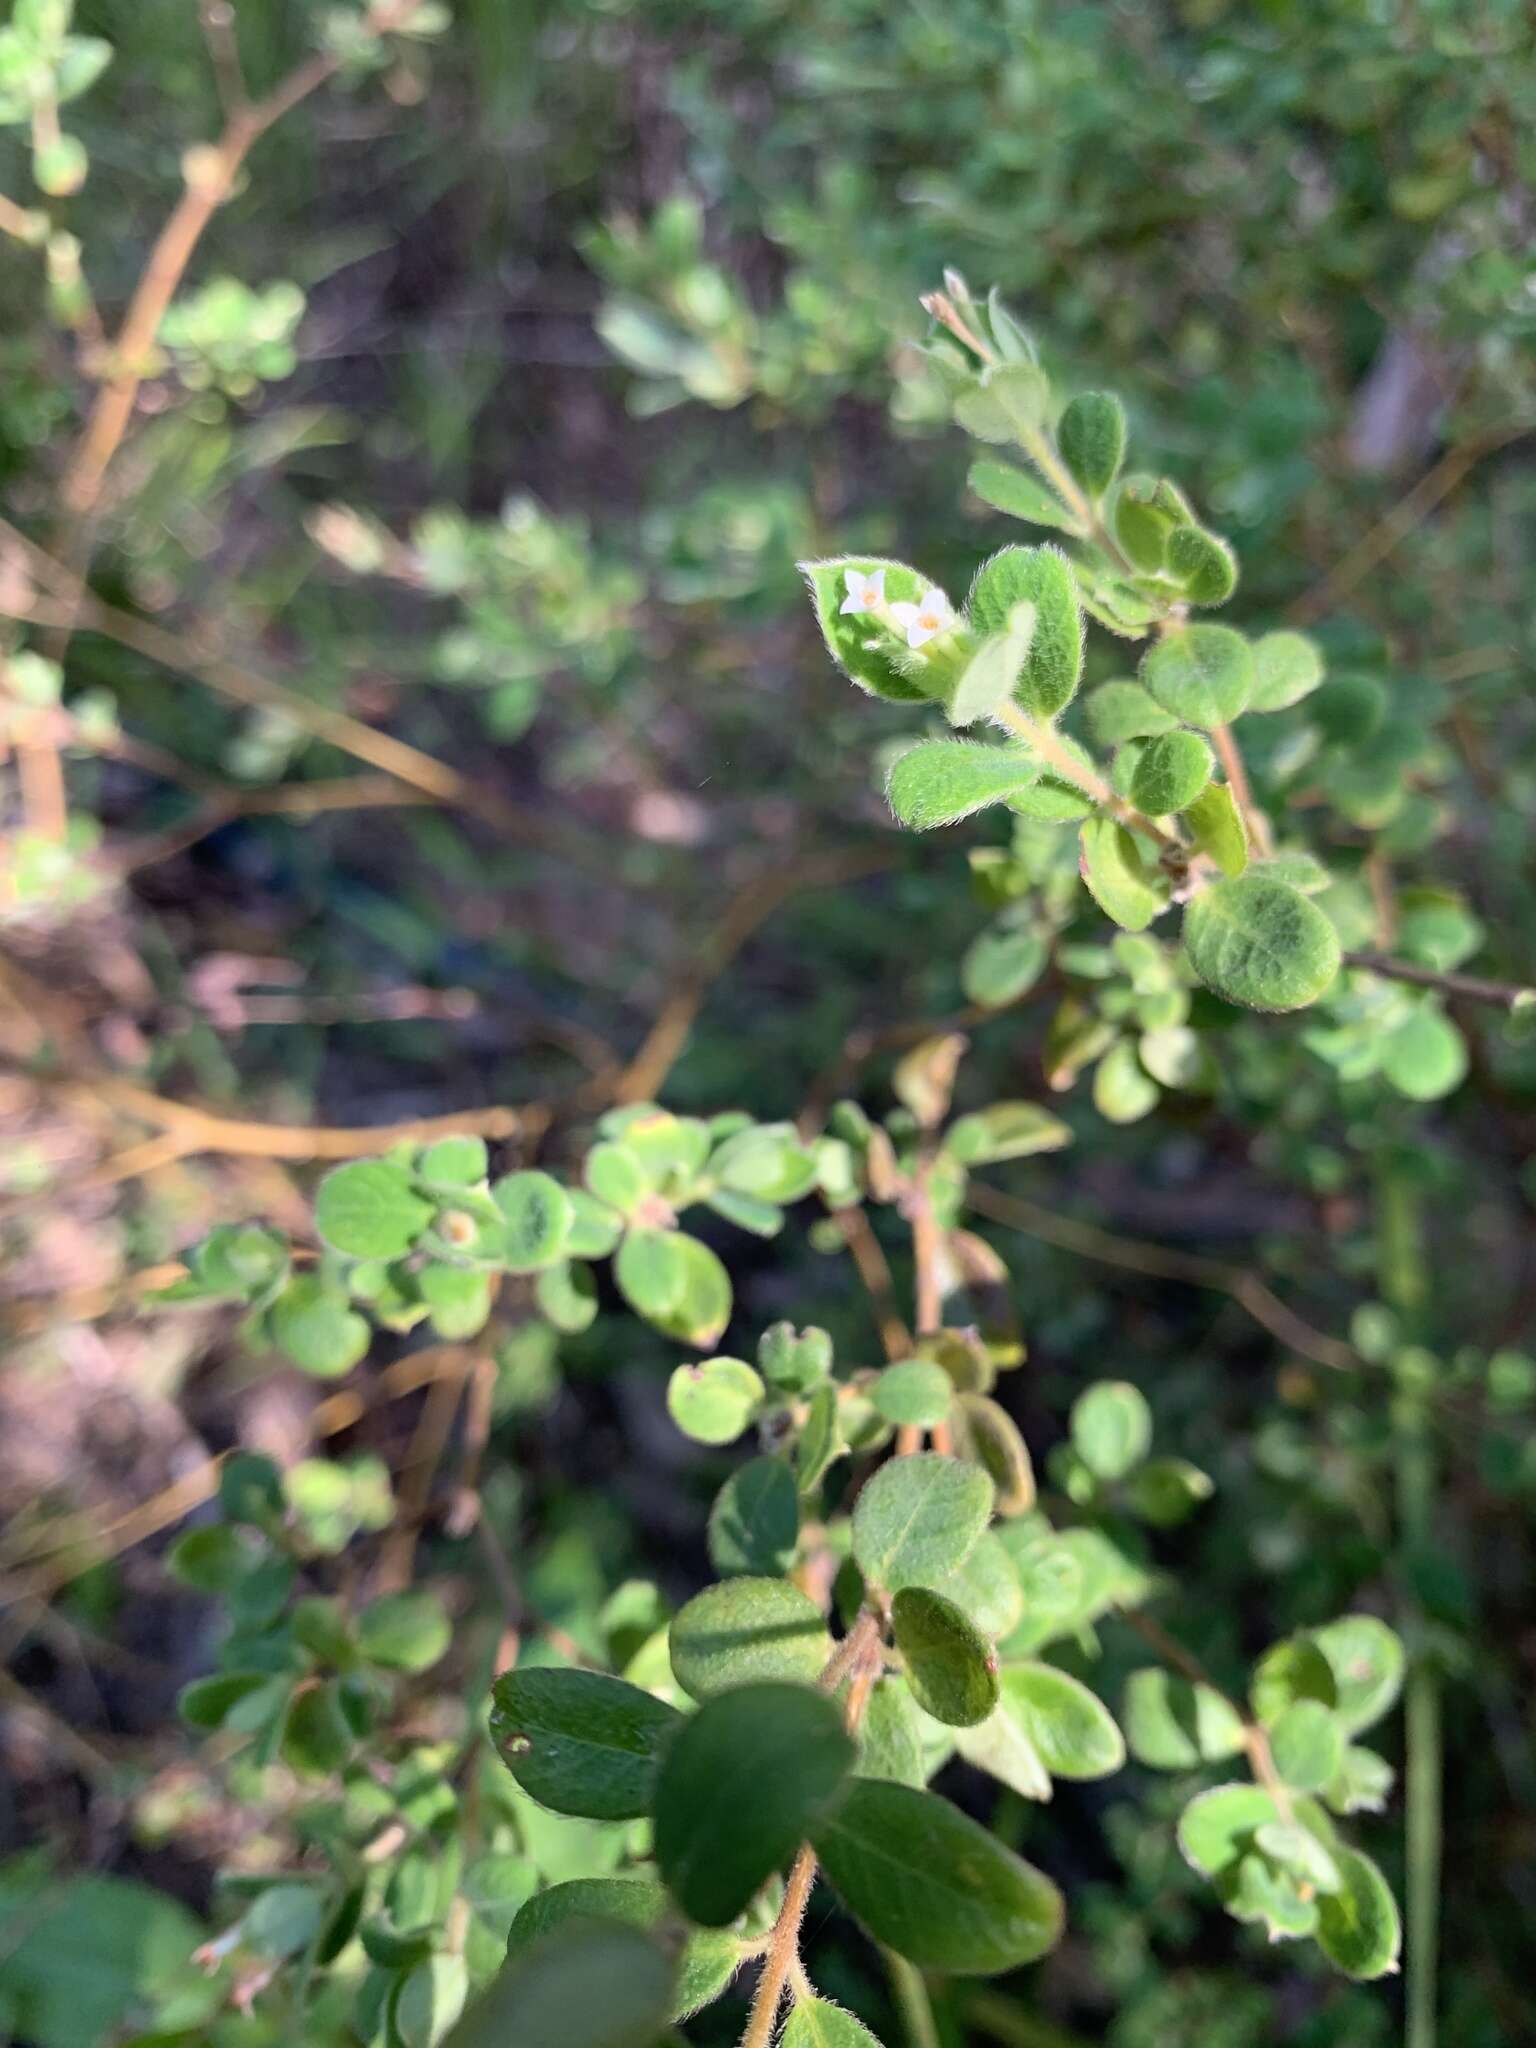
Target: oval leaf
1261	944
745	1630
1202	674
935	1886
740	1788
940	782
951	1667
918	1518
580	1741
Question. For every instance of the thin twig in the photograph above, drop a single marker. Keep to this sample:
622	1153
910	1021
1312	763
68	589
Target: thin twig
1254	821
1503	995
1136	1255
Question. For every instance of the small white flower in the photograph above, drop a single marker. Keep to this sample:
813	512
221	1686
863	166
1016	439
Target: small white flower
930	615
865	593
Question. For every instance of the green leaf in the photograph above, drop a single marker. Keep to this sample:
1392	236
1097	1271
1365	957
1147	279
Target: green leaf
986	1587
890	1735
567	1296
1041	577
312	1325
1261	944
740	1788
614	1174
459	1298
1171	771
1091	438
1111	1428
1307	1743
939	782
715	1401
1291	1670
454	1163
816	2023
580	1741
703	1308
709	1960
595	1228
767	1161
1202	674
213	1560
1299	1853
1070	1727
746	1630
1358	1929
589	1984
1005	1130
1217	1828
404	1631
1174	1725
917	1519
1121	1090
932	1884
1001	1747
913	1392
1217	825
1006	402
538	1215
1426	1057
794	1360
988	679
1013	490
950	1665
1166	1491
240	1259
1363	1784
754	1525
1002	965
206	1702
862	648
369	1210
1203	563
317	1735
820	1441
1123	710
1366	1658
1287	667
1118	879
429	1999
650	1272
990	1437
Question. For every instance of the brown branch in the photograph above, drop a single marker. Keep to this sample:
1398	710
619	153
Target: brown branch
1254	821
1135	1255
1255	1734
1503	995
286	800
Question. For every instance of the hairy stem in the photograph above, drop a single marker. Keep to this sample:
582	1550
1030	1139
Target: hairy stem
1254	822
1048	744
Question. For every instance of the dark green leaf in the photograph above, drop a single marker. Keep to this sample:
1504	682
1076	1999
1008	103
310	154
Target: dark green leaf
1203	563
929	1882
1091	438
590	1984
709	1960
580	1741
740	1788
754	1525
951	1667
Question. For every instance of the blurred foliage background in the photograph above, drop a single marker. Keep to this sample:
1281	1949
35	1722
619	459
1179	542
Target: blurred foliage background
495	411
